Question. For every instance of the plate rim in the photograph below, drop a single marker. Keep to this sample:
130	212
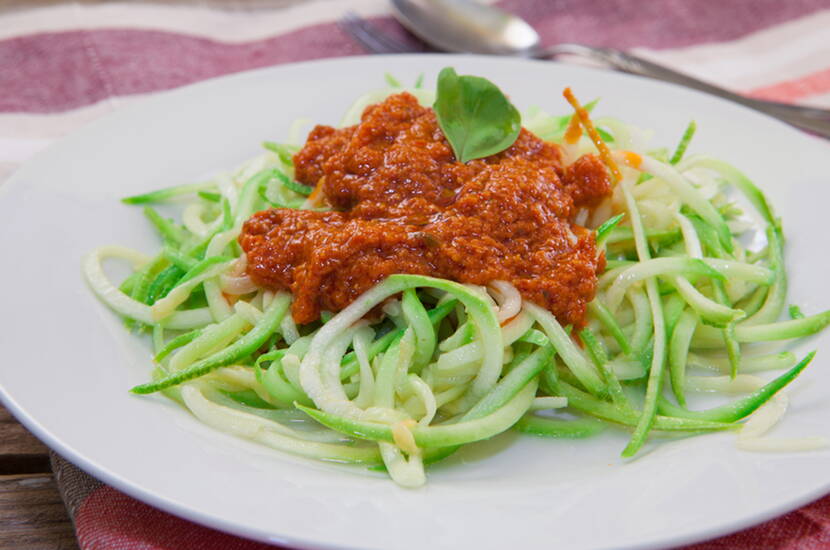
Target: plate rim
182	510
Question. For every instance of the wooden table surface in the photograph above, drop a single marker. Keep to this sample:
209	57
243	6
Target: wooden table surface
32	515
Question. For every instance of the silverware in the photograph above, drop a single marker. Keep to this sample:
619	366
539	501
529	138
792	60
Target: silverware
465	26
372	38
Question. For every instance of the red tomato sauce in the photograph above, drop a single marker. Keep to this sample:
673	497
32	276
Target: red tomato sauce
402	203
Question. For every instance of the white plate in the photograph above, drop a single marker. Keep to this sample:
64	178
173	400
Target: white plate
68	362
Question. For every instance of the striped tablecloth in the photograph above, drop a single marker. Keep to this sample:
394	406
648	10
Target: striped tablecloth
64	64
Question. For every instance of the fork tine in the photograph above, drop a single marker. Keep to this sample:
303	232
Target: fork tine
391	43
369	36
349	24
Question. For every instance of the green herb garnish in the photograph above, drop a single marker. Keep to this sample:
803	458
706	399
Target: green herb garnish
475	116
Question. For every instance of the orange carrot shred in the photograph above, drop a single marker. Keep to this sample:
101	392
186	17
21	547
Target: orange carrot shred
316	193
574	131
633	159
585	119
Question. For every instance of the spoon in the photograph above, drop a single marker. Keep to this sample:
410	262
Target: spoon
470	27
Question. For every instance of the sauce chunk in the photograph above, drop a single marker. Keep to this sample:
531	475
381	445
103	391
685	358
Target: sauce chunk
403	204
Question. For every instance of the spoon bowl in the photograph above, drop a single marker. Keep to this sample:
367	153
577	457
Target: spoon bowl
468	27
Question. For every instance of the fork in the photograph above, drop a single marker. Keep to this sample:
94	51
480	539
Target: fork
371	38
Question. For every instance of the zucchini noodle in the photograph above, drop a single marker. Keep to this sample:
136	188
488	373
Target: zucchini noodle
679	310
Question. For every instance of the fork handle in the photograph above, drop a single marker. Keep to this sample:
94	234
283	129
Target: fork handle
813	119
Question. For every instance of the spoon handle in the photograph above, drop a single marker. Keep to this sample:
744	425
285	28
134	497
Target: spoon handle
813	119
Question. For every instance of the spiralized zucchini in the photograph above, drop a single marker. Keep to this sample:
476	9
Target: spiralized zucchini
677	312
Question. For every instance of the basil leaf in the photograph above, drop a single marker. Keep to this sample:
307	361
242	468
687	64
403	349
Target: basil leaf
475	116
